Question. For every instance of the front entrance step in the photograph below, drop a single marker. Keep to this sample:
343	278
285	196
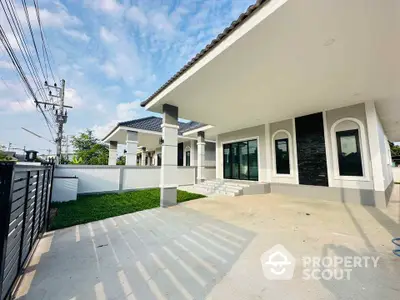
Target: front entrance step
230	188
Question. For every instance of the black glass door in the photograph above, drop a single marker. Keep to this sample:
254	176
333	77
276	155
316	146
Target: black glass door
227	161
241	160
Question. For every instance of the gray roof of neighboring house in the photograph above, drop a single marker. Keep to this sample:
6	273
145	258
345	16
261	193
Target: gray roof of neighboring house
154	124
214	43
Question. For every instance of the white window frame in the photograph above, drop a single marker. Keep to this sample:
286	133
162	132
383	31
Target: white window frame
364	148
291	149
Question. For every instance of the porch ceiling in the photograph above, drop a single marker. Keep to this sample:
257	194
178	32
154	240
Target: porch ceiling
303	57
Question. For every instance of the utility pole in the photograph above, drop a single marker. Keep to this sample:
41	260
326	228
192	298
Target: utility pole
61	120
61	115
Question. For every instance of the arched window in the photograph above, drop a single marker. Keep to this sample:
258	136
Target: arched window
282	148
349	149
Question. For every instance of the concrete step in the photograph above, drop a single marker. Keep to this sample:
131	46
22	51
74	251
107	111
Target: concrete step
227	193
227	188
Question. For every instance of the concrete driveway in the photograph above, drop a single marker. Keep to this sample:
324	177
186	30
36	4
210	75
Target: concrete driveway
211	249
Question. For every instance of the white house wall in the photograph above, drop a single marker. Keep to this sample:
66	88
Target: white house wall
345	118
386	160
103	179
257	132
209	153
91	179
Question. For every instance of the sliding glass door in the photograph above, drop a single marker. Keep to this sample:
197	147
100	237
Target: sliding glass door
241	160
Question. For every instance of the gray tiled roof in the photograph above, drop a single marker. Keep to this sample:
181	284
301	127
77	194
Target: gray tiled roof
251	10
154	124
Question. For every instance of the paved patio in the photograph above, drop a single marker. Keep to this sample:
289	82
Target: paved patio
211	248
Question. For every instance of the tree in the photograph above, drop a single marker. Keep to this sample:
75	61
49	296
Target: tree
394	149
121	161
89	150
5	157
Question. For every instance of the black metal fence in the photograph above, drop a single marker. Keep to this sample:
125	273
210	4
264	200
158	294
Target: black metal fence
25	195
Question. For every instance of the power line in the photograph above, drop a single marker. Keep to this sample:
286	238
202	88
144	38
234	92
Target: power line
21	42
33	37
37	135
46	49
20	71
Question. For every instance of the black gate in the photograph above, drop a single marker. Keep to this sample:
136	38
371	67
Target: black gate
25	195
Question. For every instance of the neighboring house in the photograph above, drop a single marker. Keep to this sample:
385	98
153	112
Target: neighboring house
302	95
143	144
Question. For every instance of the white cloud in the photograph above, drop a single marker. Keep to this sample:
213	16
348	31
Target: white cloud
78	35
55	19
6	65
107	36
72	98
162	23
18	106
140	94
124	112
109	69
100	131
136	15
156	21
100	107
128	110
115	89
105	6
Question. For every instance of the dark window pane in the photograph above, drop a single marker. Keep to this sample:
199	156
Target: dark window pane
227	162
243	161
349	153
240	160
235	161
187	158
282	156
253	160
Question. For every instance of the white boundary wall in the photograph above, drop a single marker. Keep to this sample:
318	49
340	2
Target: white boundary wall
396	174
101	179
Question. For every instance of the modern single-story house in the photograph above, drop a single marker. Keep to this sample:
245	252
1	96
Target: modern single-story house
301	95
143	144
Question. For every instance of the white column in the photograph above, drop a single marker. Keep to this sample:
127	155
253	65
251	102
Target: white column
131	147
169	154
201	152
268	154
192	153
144	154
373	137
112	153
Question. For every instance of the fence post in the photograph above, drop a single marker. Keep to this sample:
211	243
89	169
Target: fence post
50	196
20	262
34	211
6	187
40	229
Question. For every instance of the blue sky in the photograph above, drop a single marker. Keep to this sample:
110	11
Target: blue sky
112	54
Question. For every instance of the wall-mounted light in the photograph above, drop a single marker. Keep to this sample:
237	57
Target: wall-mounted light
161	141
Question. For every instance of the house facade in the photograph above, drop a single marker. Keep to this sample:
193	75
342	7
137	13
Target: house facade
143	144
300	95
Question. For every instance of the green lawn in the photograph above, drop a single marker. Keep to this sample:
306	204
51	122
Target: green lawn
97	207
